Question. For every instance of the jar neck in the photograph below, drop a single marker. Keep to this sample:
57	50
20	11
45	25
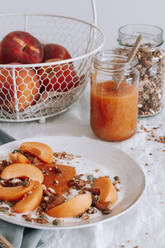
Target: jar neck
109	62
151	35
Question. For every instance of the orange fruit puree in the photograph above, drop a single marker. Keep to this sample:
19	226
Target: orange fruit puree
58	181
113	112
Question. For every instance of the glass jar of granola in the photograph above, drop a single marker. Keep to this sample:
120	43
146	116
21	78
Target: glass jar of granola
150	64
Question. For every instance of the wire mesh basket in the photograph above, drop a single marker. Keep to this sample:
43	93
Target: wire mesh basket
38	91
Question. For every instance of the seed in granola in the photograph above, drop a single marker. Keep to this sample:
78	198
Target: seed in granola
11	214
82	191
56	170
55	182
91	210
78	176
43	216
117	189
43	205
41	221
10	204
51	190
79	215
44	172
5	163
25	183
107	211
103	206
85	217
28	217
4	209
55	222
63	155
95	198
44	187
2	182
39	211
116	178
160	139
91	177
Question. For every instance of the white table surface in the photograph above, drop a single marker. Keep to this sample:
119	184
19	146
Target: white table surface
144	225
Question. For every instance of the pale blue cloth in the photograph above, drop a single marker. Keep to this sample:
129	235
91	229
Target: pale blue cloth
18	236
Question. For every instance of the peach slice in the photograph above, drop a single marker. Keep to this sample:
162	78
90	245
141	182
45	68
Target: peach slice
22	170
73	207
14	193
106	188
30	201
40	150
17	157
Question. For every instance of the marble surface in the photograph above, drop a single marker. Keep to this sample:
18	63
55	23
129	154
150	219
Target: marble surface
143	226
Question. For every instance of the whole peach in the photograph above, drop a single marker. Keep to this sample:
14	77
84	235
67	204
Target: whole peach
60	78
22	47
55	51
25	92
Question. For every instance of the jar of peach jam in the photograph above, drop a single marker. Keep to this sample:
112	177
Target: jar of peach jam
113	110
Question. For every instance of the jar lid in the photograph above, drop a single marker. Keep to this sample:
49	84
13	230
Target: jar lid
151	35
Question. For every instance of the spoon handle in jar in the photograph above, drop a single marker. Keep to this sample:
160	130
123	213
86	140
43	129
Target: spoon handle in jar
130	58
134	49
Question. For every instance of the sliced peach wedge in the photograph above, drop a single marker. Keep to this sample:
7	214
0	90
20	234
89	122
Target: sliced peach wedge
30	201
14	193
22	170
106	188
40	150
73	207
18	157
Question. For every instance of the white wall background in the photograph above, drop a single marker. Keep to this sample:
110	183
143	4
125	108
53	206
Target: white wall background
111	13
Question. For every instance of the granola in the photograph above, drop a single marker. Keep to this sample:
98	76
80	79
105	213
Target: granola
150	64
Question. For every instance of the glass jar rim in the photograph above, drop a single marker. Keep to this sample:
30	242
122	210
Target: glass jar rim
152	33
110	62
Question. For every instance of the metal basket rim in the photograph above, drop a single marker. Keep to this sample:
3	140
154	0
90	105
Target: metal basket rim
60	61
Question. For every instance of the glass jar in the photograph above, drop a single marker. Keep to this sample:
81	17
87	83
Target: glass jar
113	111
150	63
